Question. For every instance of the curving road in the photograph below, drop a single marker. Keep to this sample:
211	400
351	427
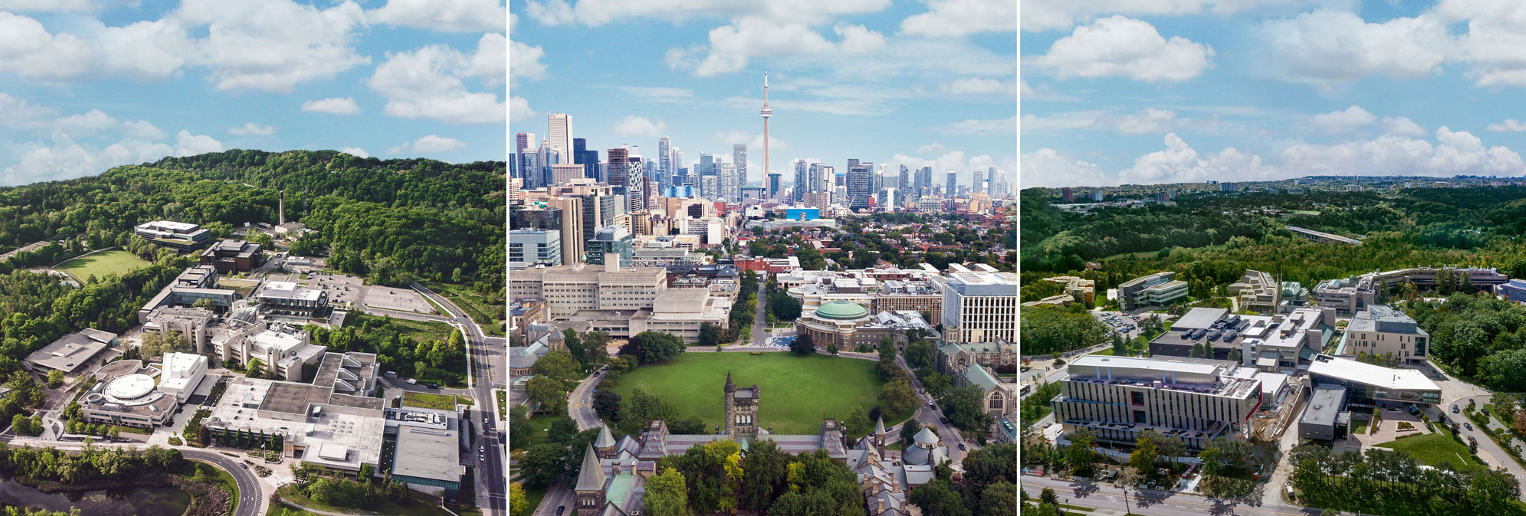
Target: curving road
251	499
492	484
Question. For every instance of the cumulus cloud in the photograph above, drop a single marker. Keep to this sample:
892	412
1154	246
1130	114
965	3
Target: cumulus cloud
1049	168
1495	43
981	86
428	145
488	64
29	50
61	157
355	151
44	5
731	46
1402	126
600	12
1147	120
550	12
981	126
443	15
92	121
1179	163
141	130
954	18
1343	121
1510	125
1326	46
187	144
931	148
1043	15
519	109
426	83
1123	47
251	129
524	61
637	126
333	106
273	45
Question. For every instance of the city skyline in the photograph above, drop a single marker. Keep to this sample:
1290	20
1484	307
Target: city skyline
1266	92
394	79
701	87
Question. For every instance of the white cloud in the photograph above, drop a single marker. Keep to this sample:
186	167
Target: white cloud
1325	46
488	64
1148	120
44	5
333	106
1048	168
1343	121
251	129
1402	126
1042	15
1060	121
443	15
428	145
524	61
187	144
141	130
1455	152
754	141
1510	124
146	50
92	121
731	46
981	126
426	83
1179	163
1122	47
273	45
981	85
27	49
18	112
600	12
519	109
355	151
953	18
931	148
640	126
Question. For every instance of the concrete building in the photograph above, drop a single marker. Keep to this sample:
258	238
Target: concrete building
1191	400
176	235
1372	385
233	256
194	284
1156	289
70	351
287	298
124	395
1346	296
428	457
614	240
979	306
1387	332
1271	343
181	374
194	324
282	349
1076	289
1257	291
1325	417
1515	291
849	325
570	288
531	247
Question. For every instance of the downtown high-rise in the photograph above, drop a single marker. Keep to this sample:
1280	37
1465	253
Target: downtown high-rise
858	183
559	135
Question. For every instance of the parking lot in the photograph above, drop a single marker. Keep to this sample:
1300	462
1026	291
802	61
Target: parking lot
1120	322
343	290
397	299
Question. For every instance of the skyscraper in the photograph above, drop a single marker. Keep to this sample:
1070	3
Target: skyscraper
767	113
975	182
679	170
925	181
619	169
589	159
773	185
524	142
802	182
828	178
560	135
813	178
739	159
664	162
858	184
904	185
636	187
953	179
706	168
728	183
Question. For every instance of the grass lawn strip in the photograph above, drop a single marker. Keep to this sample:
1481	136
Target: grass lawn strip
100	264
533	496
792	387
1433	449
429	401
422	505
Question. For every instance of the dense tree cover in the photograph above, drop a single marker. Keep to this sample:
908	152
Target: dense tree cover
518	504
434	360
1482	337
548	394
666	494
519	427
1048	329
764	472
898	398
713	474
782	306
819	485
47	464
919	354
38	309
1390	482
557	365
606	404
963	407
651	347
368	492
643	408
803	344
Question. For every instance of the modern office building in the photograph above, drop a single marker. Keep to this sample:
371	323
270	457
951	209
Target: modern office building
194	284
282	349
71	351
1325	418
177	235
559	135
562	174
739	160
1154	290
979	306
193	324
1374	385
233	256
287	298
1191	400
1347	296
1269	343
859	184
531	247
619	169
1387	332
614	240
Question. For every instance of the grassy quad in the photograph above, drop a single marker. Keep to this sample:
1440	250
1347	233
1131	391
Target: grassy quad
1435	448
116	261
798	392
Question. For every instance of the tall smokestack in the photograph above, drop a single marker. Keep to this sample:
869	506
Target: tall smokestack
281	208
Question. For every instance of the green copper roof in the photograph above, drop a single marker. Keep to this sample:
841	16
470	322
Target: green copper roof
841	310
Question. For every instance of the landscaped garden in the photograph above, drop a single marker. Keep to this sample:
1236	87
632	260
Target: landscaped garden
1434	449
797	391
100	264
433	401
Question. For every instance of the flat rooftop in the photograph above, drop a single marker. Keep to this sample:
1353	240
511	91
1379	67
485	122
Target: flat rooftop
1324	405
72	351
428	453
1199	318
1368	374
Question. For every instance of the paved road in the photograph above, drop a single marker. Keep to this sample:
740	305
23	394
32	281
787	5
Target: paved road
558	495
580	402
1109	500
492	486
760	317
929	415
251	500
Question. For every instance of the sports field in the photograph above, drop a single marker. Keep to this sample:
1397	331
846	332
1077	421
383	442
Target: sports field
797	392
116	261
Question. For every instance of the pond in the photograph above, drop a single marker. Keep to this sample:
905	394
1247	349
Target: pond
140	501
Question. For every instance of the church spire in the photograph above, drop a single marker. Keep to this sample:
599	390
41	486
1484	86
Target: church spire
590	478
730	387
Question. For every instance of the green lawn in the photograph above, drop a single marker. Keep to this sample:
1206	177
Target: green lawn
422	505
1433	449
1358	427
422	331
281	509
429	401
503	404
797	392
533	496
539	426
117	262
476	304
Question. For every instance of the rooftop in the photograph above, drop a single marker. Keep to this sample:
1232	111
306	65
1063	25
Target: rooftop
73	350
1368	374
430	453
1325	405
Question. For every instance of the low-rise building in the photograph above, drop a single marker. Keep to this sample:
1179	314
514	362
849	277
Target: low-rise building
1156	289
194	284
70	351
1514	290
1386	332
124	395
175	235
193	324
1371	385
282	349
1270	343
181	374
1191	400
233	256
1325	418
287	298
849	325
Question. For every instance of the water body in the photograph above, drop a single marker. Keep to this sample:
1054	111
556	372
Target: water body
133	501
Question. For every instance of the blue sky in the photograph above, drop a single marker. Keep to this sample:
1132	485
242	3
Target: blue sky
90	84
920	83
1156	91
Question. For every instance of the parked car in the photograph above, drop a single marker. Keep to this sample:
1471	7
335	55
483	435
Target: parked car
1486	412
1454	409
412	381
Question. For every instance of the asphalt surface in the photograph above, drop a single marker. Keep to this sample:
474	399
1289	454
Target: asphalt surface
251	501
1110	500
492	482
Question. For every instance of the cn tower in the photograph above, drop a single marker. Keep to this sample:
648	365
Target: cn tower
766	113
